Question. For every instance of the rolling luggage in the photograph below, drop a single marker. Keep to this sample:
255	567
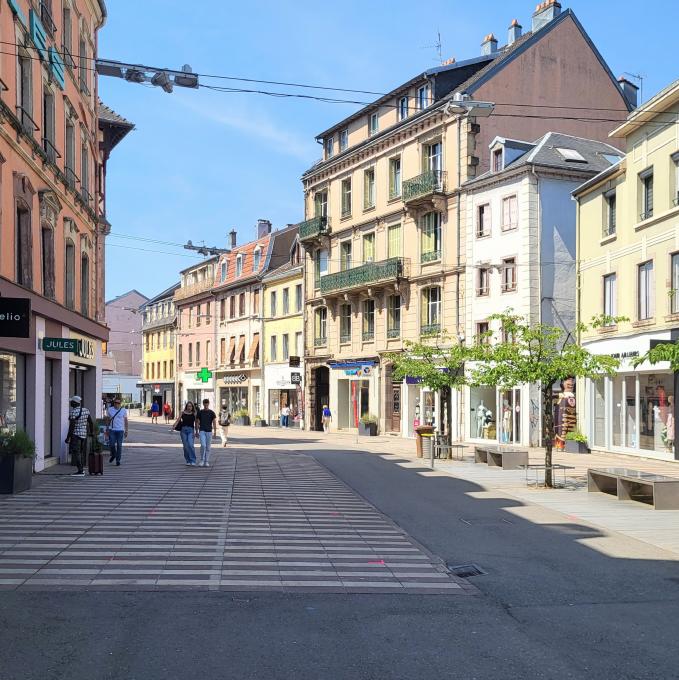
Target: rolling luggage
95	459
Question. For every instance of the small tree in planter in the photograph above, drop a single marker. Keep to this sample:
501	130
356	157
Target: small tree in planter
260	422
367	425
16	462
241	417
576	442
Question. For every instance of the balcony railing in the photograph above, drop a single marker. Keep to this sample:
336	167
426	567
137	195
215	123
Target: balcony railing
345	338
71	178
368	336
85	195
313	228
423	185
608	230
646	215
27	123
431	256
68	57
50	150
46	18
430	329
393	333
320	342
366	274
193	289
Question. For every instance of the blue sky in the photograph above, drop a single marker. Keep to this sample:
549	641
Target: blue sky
201	162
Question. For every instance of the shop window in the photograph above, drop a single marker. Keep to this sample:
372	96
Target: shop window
483	421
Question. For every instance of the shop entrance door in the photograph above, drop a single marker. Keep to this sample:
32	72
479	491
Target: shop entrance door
49	408
321	394
396	408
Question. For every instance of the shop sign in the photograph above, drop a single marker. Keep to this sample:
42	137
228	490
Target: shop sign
204	375
235	379
625	355
352	365
296	378
85	349
156	389
293	362
59	345
15	317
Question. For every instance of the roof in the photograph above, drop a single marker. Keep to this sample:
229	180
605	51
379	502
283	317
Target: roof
668	96
133	291
283	271
167	293
597	179
207	260
117	126
247	252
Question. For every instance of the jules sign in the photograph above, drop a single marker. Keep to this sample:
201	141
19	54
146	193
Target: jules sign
15	317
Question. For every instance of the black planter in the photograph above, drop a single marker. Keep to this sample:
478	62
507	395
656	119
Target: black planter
575	447
242	420
367	429
16	474
260	423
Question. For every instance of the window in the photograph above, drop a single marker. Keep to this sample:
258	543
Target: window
222	351
272	300
508	274
403	108
646	298
190	354
67	37
431	310
299	344
497	160
329	147
85	173
373	124
241	304
321	204
232	350
71	177
369	247
24	246
257	259
298	297
610	302
483	282
180	355
369	188
674	291
83	67
190	317
432	161
320	326
153	371
255	302
197	354
345	255
208	358
344	140
611	217
394	241
286	301
646	178
239	265
25	91
510	213
675	183
286	346
483	221
346	197
345	322
48	285
232	306
171	368
368	320
48	127
223	271
394	177
482	330
394	316
423	97
222	309
164	369
199	315
321	266
430	226
274	348
508	336
85	284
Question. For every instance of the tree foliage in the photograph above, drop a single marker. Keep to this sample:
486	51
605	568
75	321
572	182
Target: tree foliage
663	352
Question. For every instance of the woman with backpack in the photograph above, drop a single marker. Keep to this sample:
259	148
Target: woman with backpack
186	426
224	422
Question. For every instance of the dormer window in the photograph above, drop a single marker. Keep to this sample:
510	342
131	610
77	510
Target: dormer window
224	271
344	140
258	257
497	160
239	265
373	124
403	108
423	97
329	147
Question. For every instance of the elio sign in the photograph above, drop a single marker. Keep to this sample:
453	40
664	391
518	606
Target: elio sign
15	317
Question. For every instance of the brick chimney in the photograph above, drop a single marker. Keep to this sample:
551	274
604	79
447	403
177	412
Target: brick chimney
545	12
514	32
232	239
630	91
489	44
263	228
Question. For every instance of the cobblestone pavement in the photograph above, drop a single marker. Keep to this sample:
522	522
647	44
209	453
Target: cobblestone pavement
253	521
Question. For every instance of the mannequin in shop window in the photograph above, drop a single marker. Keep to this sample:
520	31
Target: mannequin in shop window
506	422
669	425
483	418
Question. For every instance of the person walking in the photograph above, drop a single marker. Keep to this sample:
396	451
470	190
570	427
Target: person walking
167	412
155	412
79	426
224	422
285	416
116	421
186	425
206	428
327	417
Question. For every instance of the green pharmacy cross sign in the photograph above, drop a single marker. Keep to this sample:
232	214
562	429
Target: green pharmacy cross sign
204	375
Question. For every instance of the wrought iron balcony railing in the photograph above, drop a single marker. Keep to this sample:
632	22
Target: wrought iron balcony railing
50	150
193	289
431	256
430	329
372	272
345	338
320	342
646	215
368	336
608	230
313	228
393	333
423	185
71	178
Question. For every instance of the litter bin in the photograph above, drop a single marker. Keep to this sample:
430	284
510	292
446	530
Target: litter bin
424	440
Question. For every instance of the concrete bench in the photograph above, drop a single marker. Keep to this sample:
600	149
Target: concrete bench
659	491
501	456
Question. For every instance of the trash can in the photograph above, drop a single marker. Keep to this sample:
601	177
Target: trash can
424	440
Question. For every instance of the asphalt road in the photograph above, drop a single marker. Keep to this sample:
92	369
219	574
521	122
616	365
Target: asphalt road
552	604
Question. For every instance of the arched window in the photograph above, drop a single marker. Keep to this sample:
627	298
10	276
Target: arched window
85	284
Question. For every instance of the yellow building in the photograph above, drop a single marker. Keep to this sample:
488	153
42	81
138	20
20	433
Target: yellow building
628	248
159	327
283	344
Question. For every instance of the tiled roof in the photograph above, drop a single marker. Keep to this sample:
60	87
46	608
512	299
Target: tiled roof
108	115
247	251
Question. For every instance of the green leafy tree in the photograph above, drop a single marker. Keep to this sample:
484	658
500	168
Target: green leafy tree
667	351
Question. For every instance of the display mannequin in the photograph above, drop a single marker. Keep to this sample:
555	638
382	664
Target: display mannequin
481	411
670	424
506	422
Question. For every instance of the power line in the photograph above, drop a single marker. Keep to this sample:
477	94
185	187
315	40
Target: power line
147	250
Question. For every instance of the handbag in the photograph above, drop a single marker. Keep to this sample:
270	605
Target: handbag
178	426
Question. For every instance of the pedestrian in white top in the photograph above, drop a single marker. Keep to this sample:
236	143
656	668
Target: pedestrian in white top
285	416
116	421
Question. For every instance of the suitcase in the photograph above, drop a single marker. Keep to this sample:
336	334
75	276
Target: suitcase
95	463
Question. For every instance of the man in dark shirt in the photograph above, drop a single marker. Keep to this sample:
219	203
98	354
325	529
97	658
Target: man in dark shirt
206	428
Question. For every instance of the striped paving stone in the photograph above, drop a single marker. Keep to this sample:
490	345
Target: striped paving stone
253	521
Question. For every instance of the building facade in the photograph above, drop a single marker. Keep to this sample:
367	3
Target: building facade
384	229
628	248
159	333
55	140
282	341
521	242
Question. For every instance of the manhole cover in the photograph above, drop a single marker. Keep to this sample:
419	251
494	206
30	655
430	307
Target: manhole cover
466	570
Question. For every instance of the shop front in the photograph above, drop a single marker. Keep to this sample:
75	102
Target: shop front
82	370
241	393
194	386
284	386
12	392
354	392
162	393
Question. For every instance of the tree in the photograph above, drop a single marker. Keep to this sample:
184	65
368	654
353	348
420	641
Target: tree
664	351
534	354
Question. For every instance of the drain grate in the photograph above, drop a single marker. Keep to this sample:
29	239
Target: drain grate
466	570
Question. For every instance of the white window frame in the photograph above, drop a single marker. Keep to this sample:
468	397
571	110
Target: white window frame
329	147
239	265
344	139
373	124
610	285
507	203
423	97
645	291
403	108
509	275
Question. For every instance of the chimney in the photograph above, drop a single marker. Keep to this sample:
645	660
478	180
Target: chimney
263	228
489	44
630	91
514	32
545	12
232	239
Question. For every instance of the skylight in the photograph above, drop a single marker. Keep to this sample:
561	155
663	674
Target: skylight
611	158
571	155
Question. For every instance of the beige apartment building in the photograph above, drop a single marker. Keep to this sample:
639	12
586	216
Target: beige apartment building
628	248
384	229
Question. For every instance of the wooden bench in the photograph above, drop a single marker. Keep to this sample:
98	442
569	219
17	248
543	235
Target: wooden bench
659	491
501	456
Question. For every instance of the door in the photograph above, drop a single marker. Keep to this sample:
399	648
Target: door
396	408
49	408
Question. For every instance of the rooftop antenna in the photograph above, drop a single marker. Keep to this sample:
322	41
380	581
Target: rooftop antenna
436	46
640	78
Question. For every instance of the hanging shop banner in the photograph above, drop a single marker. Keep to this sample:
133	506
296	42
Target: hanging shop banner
15	317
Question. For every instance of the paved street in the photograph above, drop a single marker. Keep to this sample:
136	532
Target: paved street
294	557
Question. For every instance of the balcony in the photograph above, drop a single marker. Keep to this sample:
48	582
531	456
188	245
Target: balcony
431	256
313	228
393	333
193	289
608	230
46	18
368	336
430	329
320	342
424	186
385	271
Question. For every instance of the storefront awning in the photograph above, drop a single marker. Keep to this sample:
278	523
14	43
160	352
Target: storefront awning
239	351
232	348
254	347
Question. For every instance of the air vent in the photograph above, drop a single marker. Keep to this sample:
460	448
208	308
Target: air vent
466	570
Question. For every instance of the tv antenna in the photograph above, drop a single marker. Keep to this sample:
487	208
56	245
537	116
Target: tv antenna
640	78
436	46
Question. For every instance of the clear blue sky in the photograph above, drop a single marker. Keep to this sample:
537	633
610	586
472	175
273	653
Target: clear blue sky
201	163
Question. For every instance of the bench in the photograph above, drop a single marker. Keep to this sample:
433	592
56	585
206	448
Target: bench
660	491
501	456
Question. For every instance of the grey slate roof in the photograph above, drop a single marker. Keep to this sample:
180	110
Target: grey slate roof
108	115
167	293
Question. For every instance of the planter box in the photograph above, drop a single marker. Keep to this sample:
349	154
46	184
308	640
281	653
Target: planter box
261	423
16	474
367	429
242	420
575	447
